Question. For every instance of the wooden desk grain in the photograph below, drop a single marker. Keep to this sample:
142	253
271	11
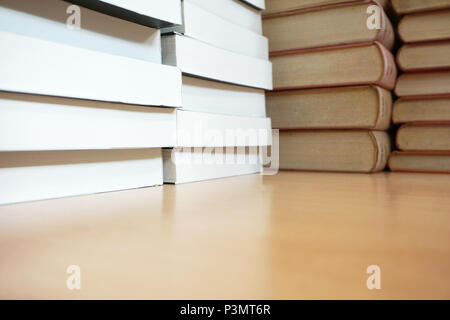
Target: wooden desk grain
290	236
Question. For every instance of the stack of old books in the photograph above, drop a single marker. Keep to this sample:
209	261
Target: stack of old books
423	109
333	72
225	63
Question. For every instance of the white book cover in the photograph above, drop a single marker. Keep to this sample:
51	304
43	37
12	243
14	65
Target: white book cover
32	122
29	176
202	25
48	20
151	13
197	58
217	97
200	129
235	11
199	164
38	66
259	4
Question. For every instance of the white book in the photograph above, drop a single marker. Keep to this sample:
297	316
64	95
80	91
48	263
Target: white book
32	122
235	11
202	25
200	129
151	13
47	20
38	66
259	4
217	97
197	58
198	164
29	176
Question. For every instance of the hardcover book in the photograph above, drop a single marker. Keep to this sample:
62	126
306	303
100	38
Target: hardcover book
412	6
277	6
359	107
326	26
429	56
422	110
423	84
426	162
424	137
344	151
357	64
425	26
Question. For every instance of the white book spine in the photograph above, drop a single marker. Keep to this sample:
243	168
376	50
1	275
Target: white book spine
30	122
259	4
194	57
235	11
41	67
199	164
198	129
165	11
48	20
217	97
214	30
29	176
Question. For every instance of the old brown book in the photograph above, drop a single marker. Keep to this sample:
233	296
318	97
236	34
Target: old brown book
338	150
424	137
411	6
423	84
359	107
325	26
424	56
277	6
357	64
421	110
426	26
429	162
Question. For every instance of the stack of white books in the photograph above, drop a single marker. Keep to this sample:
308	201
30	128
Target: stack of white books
223	56
86	104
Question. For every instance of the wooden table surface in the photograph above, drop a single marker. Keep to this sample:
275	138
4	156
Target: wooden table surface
290	236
